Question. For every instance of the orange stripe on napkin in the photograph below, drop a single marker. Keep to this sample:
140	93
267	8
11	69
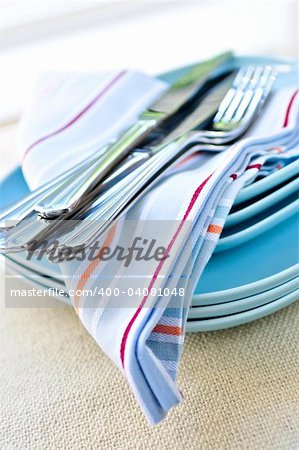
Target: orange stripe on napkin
168	329
278	149
91	267
214	229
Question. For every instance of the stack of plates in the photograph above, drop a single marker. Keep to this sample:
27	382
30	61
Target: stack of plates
253	272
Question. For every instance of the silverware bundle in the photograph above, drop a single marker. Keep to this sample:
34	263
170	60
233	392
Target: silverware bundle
201	111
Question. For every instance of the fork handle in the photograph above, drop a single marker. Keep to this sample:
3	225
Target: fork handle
52	206
119	198
67	199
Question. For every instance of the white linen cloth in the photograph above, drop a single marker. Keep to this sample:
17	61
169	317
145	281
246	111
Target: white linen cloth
143	334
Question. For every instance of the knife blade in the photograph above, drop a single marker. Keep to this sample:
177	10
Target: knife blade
170	103
116	200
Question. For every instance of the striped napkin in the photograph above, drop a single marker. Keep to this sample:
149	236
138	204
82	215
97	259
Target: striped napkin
137	313
71	115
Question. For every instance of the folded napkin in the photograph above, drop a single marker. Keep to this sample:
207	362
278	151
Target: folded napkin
137	313
73	115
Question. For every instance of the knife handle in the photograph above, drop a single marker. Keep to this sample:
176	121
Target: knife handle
68	198
12	215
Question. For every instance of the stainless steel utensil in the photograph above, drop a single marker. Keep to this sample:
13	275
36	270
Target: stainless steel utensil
14	214
179	93
71	186
235	114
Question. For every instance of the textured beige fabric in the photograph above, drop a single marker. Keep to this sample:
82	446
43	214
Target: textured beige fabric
59	391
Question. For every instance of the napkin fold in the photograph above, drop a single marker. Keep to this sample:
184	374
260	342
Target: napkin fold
72	115
137	313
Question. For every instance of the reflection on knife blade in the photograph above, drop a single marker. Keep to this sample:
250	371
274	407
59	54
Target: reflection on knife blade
121	195
159	113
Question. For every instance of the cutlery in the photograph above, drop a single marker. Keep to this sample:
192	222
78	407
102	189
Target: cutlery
157	115
11	215
75	180
14	222
14	214
232	118
235	114
12	239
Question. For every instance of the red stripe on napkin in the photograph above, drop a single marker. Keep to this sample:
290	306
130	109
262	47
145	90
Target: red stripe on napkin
160	265
287	116
79	115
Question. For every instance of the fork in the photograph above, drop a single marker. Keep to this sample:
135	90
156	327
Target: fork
222	121
236	113
72	186
21	210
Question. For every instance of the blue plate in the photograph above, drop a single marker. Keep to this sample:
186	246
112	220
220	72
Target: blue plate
273	251
220	323
273	199
260	227
266	184
243	304
12	188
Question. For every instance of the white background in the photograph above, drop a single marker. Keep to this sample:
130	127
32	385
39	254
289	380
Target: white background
151	36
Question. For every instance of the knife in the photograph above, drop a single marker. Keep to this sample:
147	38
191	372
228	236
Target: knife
100	213
169	104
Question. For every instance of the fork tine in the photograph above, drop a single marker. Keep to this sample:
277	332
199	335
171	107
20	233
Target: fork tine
230	94
248	94
250	89
270	76
229	113
261	93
